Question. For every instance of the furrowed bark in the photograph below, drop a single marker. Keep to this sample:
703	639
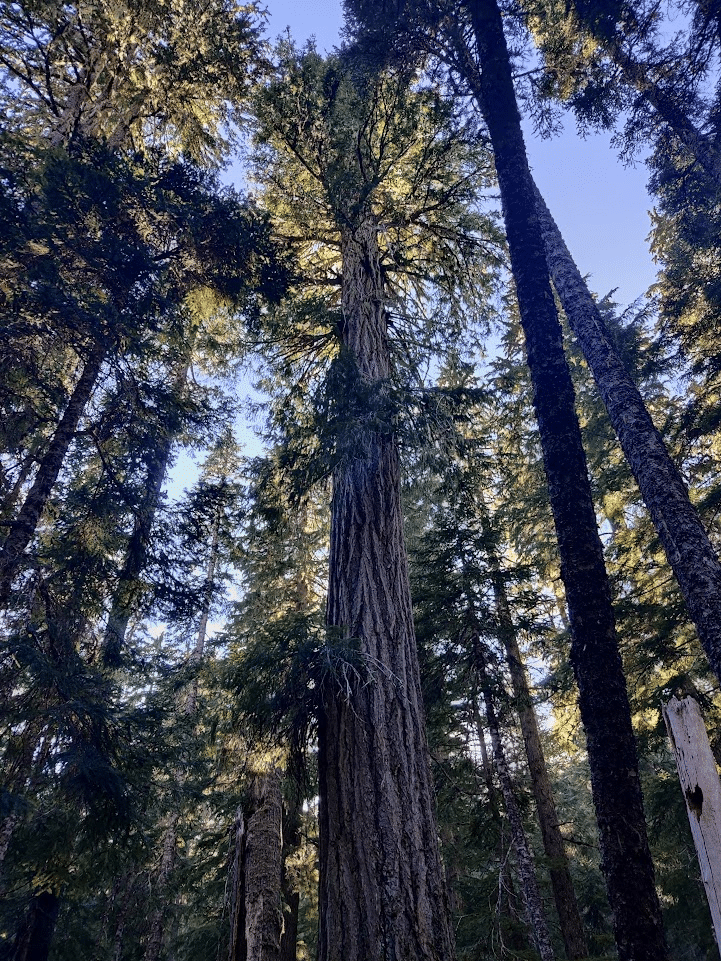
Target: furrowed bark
603	700
236	947
574	937
382	892
525	864
263	867
25	524
291	896
684	539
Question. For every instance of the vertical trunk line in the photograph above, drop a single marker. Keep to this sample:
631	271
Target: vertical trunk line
574	937
25	524
530	892
603	699
685	542
383	891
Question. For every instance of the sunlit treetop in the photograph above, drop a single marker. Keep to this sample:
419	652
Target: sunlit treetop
337	147
134	74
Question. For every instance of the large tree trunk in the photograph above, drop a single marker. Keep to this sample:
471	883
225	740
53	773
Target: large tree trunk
574	937
25	524
603	700
382	893
535	918
263	868
686	543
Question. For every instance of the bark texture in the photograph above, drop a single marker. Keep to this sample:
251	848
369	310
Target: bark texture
574	938
25	524
525	864
382	890
291	896
236	948
702	792
684	539
263	867
603	700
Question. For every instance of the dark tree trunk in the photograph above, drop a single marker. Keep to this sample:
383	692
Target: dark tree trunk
33	940
236	948
686	543
382	889
127	590
603	700
25	524
574	938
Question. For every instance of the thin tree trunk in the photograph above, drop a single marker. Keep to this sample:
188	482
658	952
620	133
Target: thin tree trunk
603	700
507	919
236	948
530	892
291	896
574	937
382	889
686	543
25	524
126	593
263	869
170	839
154	944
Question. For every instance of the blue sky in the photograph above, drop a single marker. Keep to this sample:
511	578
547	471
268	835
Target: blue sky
600	205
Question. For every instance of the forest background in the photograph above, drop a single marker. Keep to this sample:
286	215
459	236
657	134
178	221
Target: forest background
393	686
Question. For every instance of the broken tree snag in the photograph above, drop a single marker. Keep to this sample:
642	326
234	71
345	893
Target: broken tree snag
702	790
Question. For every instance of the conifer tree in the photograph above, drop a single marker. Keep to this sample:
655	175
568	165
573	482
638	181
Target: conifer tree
480	52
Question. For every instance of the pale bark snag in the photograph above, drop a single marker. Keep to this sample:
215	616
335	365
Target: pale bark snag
382	892
702	792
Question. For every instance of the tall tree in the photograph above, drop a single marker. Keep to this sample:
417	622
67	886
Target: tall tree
595	656
362	161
